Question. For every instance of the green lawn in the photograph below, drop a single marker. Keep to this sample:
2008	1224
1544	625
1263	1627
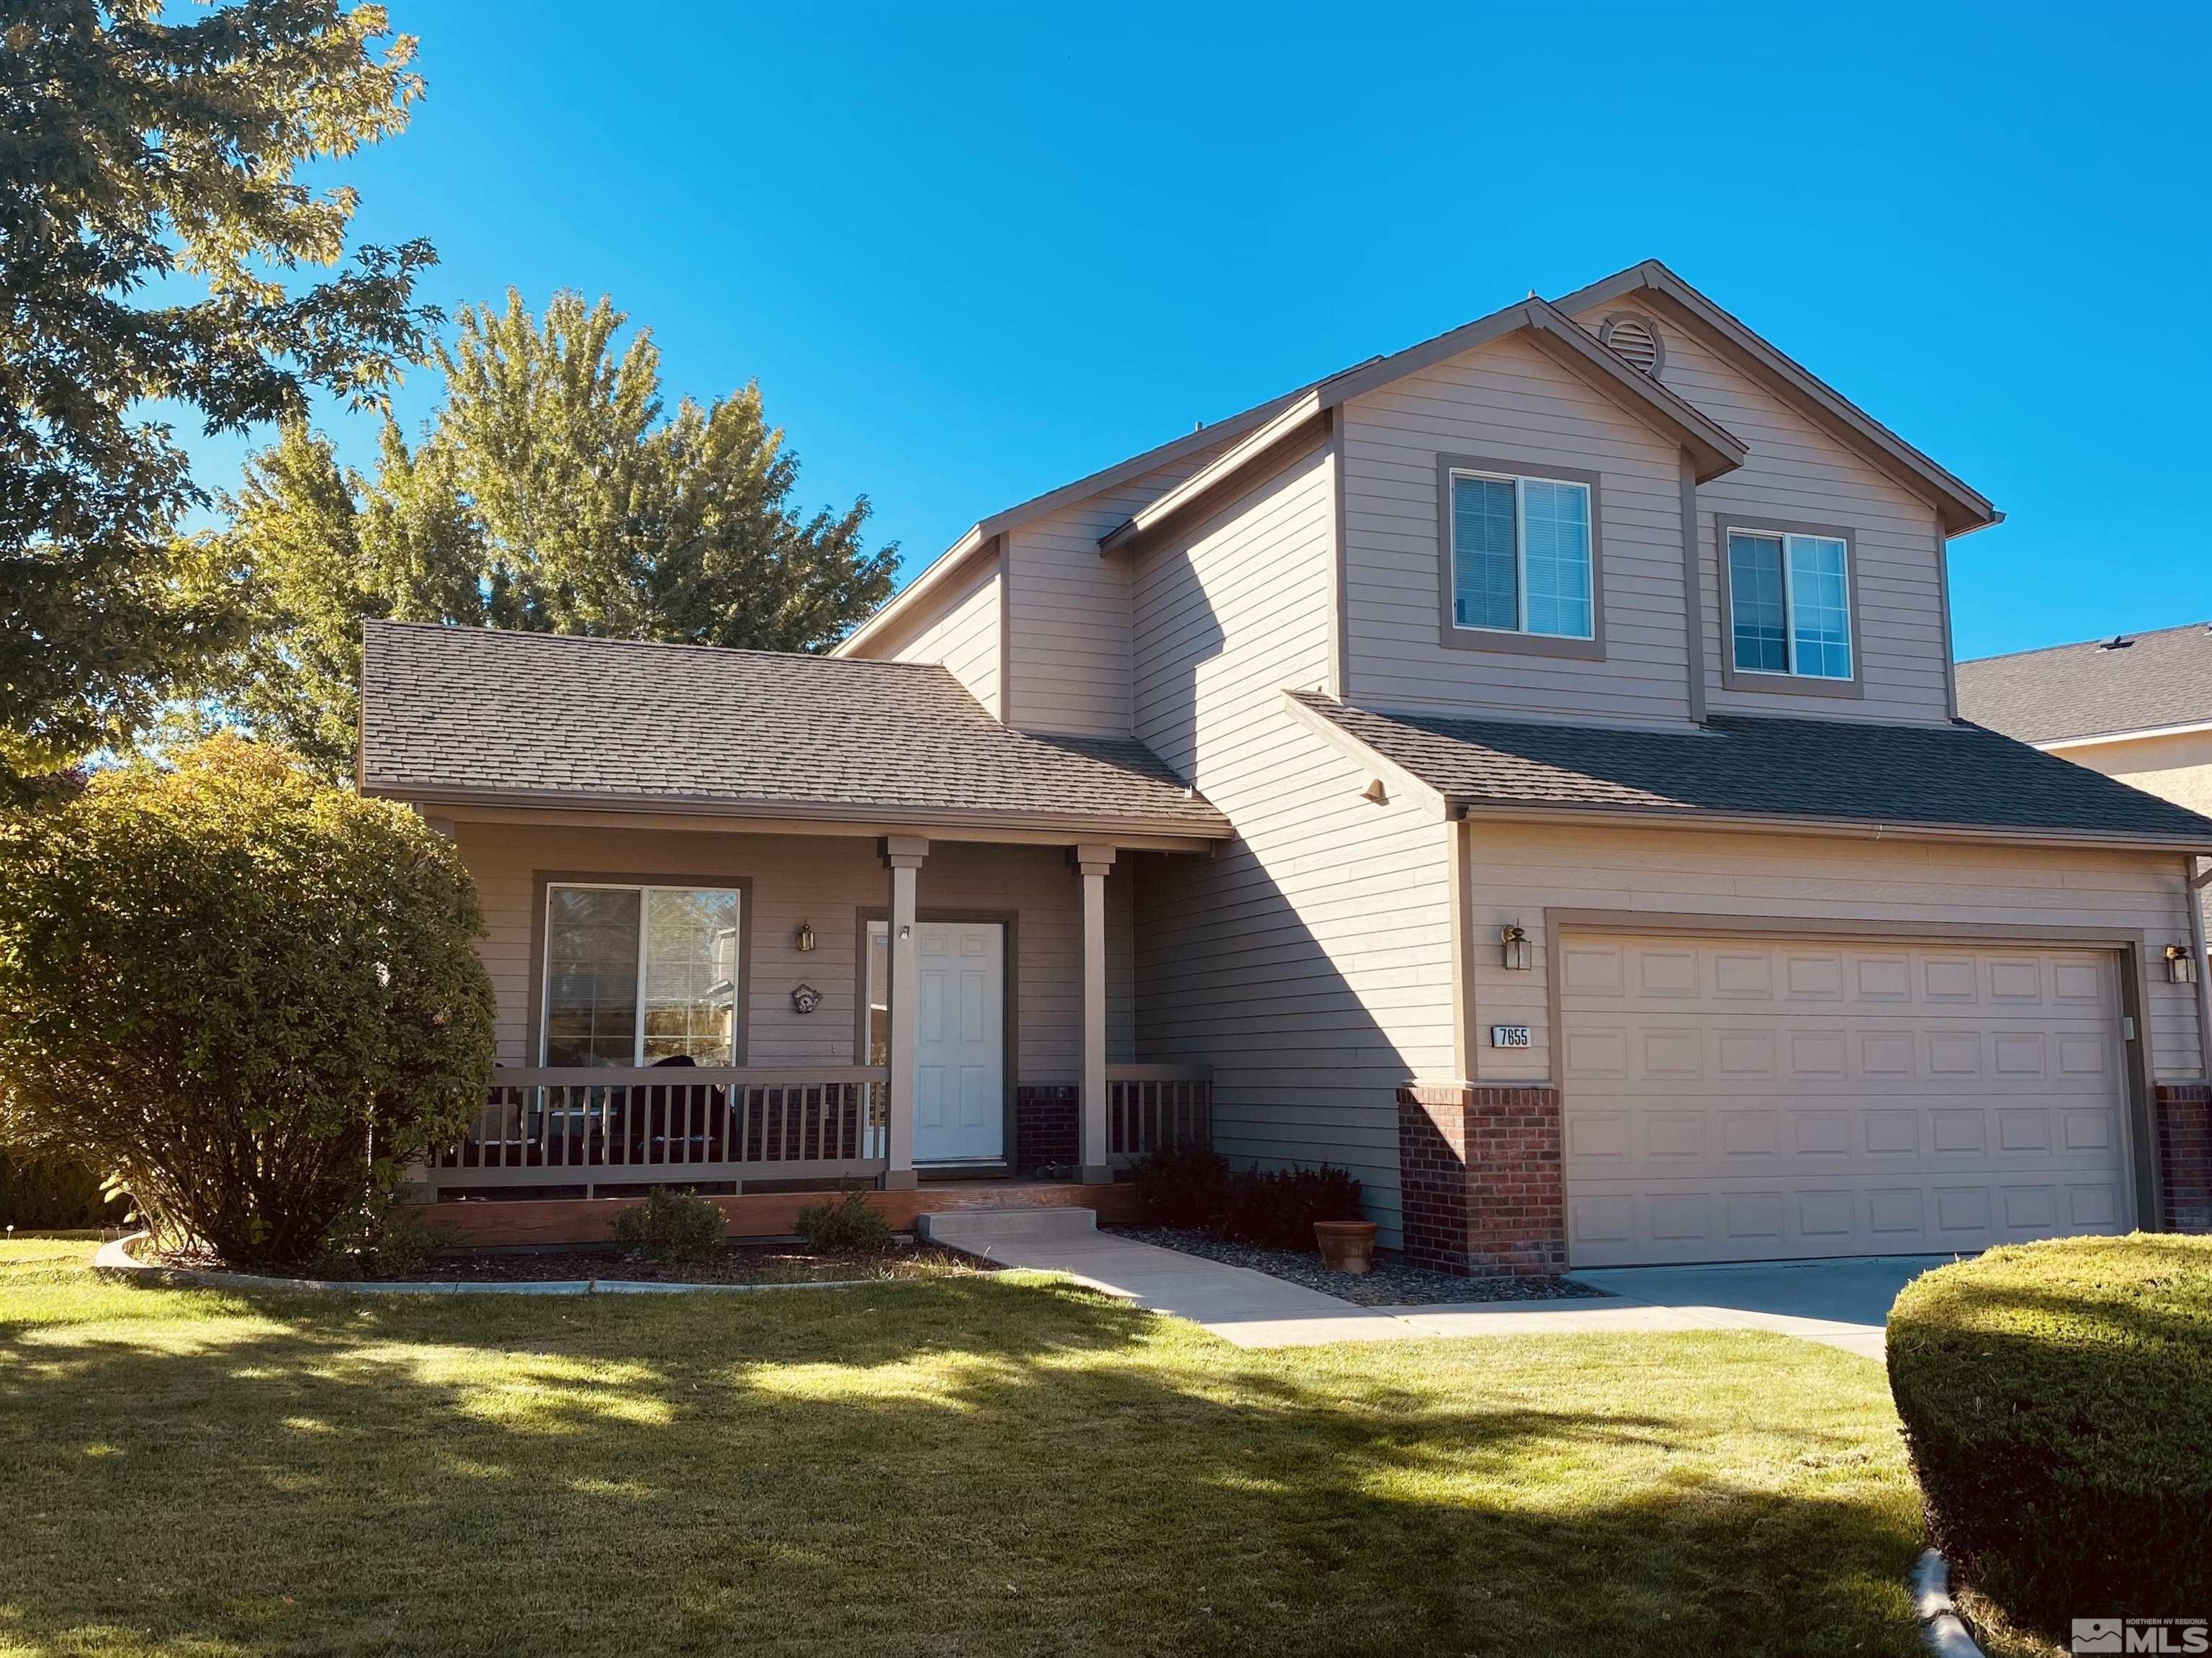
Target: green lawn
974	1464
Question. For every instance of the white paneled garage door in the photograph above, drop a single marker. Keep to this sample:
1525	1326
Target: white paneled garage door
1747	1099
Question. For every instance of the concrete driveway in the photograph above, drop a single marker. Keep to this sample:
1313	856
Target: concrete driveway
1844	1303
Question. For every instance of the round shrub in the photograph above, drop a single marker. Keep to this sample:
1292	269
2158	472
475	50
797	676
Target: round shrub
254	998
2058	1405
672	1226
849	1225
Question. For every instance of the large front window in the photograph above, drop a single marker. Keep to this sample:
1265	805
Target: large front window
1789	604
634	975
1521	555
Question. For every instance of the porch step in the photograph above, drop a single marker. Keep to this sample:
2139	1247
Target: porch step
976	1229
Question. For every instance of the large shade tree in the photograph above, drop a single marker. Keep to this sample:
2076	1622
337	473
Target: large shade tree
552	491
152	232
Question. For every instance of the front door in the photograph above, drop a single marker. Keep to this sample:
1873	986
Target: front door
960	1053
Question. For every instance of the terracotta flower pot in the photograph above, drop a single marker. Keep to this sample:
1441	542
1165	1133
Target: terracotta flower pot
1346	1245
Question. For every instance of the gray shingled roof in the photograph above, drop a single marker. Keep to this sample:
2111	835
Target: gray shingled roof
1958	776
464	711
2155	680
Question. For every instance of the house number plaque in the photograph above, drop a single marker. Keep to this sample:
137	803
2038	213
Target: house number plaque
1508	1036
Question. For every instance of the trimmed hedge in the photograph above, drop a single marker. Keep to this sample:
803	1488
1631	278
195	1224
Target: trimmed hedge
2057	1405
1195	1186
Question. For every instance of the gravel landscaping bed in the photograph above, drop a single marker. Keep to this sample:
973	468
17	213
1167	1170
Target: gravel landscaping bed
769	1263
1392	1283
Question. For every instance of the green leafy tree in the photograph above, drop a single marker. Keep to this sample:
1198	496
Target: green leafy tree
252	997
150	226
552	491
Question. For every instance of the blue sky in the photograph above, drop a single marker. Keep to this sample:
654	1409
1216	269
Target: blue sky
972	253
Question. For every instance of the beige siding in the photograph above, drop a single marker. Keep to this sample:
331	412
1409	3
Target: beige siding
963	631
1068	611
825	882
1307	961
1797	473
1518	871
1509	402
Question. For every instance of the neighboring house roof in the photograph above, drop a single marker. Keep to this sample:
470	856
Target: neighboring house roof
1715	449
1963	507
455	715
1955	776
2137	682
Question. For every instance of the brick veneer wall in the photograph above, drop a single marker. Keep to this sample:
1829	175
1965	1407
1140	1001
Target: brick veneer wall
1480	1179
2185	1155
1048	1126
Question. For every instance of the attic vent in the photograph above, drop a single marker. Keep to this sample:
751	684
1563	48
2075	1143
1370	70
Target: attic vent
2117	642
1636	342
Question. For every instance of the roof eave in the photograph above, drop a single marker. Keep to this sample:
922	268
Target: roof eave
1962	508
1099	824
1478	809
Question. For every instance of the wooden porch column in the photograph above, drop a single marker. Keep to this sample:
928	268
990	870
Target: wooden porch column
1091	863
904	854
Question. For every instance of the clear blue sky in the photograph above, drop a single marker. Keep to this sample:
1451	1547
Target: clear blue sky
970	253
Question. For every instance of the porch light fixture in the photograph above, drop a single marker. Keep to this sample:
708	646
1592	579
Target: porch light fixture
1513	946
803	940
2180	965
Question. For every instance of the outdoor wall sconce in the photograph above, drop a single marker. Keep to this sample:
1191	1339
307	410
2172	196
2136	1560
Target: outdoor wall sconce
1513	946
803	940
2180	965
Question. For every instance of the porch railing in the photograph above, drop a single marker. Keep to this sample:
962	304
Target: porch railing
614	1126
1149	1107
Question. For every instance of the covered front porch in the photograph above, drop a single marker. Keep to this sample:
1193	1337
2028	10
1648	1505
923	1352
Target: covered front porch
757	1014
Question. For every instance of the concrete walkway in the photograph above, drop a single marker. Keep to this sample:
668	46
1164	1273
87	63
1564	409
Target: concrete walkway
1841	1303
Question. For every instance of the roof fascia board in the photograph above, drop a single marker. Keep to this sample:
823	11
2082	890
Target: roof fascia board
2096	739
1855	828
1303	414
1714	450
1963	507
808	818
940	569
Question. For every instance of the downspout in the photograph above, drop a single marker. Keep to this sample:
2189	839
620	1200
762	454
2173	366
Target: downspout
2197	880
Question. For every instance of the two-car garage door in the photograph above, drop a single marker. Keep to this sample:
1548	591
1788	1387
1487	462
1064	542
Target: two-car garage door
1747	1099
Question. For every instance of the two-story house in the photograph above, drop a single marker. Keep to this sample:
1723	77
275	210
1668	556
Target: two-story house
1524	768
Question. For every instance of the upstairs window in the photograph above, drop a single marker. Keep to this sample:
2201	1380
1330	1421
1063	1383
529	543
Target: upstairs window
1520	555
1789	604
634	975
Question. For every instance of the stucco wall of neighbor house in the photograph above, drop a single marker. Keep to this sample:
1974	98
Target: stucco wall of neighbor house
1309	961
1518	870
2178	768
825	882
1798	473
964	634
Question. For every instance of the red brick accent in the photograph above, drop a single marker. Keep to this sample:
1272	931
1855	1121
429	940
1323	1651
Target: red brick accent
2185	1155
1479	1178
1048	1126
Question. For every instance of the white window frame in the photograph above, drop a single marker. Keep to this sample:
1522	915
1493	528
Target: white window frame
1520	628
1789	605
644	890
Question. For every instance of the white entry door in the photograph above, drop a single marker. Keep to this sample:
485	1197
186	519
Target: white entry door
960	1053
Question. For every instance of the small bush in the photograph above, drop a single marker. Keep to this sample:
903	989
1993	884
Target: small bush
379	1240
672	1226
54	1194
849	1225
1185	1184
1276	1209
255	997
2058	1405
